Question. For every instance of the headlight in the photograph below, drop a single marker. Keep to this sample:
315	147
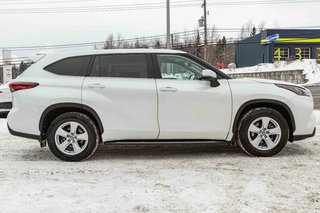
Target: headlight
295	89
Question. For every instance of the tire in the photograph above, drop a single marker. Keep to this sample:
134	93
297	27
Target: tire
73	136
262	132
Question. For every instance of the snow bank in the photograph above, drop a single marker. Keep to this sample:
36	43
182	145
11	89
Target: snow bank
310	66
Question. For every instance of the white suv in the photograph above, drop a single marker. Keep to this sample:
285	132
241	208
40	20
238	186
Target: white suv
74	101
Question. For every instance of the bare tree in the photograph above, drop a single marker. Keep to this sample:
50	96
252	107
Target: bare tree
119	41
246	29
261	26
109	44
213	36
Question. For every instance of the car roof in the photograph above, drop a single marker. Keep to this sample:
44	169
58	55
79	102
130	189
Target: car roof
52	57
114	51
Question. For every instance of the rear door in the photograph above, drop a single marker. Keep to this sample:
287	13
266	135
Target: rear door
121	89
188	107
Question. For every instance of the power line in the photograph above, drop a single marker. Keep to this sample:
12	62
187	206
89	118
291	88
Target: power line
43	2
186	34
143	6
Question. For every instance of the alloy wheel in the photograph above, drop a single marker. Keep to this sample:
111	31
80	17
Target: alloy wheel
264	133
71	138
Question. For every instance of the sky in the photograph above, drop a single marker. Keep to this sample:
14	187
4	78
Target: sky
32	29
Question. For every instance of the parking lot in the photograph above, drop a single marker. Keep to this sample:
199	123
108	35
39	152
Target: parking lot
159	178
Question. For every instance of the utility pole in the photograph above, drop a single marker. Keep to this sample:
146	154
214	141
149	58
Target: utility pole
168	25
172	41
205	29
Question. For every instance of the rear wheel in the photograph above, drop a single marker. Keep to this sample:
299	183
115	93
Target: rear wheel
73	136
262	132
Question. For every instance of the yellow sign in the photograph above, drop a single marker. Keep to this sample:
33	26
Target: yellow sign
293	40
277	54
298	54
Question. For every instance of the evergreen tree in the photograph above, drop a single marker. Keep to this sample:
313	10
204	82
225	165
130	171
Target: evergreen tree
158	45
22	67
253	31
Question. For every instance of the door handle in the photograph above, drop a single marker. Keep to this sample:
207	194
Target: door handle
168	89
101	86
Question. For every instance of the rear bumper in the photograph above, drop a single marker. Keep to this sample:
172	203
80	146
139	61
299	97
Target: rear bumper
302	137
23	135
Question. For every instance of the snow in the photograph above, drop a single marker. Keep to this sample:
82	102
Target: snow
159	178
310	66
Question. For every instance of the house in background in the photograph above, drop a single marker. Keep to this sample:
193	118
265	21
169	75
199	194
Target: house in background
277	45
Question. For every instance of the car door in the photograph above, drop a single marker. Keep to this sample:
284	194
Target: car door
121	89
189	108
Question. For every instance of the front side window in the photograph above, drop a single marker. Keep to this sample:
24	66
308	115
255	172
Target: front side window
75	66
122	65
179	67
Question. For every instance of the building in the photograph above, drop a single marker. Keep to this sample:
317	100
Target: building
277	45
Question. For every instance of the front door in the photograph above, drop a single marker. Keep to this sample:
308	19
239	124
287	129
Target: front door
188	107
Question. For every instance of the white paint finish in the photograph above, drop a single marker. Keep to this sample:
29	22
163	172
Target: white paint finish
29	104
7	73
5	94
195	110
127	107
244	90
302	109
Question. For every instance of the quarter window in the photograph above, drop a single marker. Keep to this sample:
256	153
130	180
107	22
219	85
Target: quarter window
122	65
179	67
75	66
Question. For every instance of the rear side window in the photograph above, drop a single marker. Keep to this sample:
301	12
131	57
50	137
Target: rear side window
124	65
75	66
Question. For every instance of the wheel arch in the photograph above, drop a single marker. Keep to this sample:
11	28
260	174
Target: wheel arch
279	106
53	111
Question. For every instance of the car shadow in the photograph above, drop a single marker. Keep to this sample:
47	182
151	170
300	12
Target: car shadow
161	151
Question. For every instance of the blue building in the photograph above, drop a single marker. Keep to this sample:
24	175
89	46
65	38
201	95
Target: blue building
277	45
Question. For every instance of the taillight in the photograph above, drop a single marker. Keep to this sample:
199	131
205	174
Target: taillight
21	86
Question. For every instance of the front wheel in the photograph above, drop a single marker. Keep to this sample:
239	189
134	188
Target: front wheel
73	136
262	132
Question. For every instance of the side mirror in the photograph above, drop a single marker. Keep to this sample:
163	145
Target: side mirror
209	75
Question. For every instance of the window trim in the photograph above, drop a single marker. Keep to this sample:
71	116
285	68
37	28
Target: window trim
157	70
70	57
150	67
300	47
275	48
